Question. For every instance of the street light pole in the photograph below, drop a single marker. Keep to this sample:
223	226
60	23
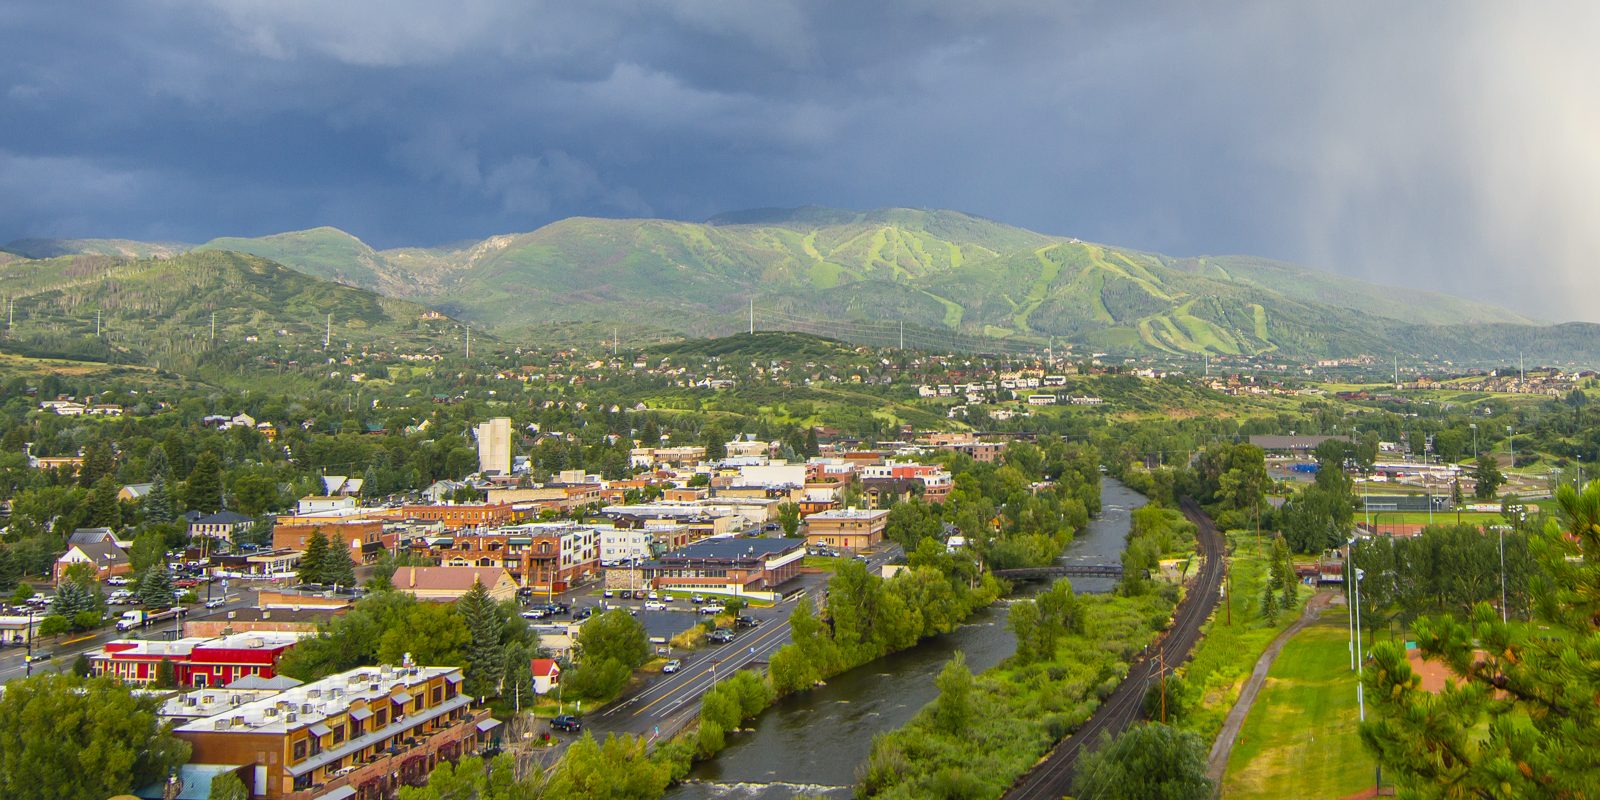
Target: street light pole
1501	529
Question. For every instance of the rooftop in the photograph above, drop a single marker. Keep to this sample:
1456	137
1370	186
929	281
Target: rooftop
850	513
314	702
732	549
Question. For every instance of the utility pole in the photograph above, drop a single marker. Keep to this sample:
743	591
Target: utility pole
213	326
613	340
327	334
469	340
1161	664
97	324
752	316
902	334
11	313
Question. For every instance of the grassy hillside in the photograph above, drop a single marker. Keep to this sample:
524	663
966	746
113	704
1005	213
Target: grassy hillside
1312	286
940	273
327	253
159	311
120	248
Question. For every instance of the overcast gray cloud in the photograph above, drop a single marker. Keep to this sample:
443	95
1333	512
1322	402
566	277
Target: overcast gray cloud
1441	144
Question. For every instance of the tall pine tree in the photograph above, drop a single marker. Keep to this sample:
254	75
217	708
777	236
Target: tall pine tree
1520	718
314	561
105	511
204	490
338	567
155	587
485	652
158	504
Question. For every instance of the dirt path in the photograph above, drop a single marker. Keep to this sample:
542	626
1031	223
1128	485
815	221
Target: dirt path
1217	764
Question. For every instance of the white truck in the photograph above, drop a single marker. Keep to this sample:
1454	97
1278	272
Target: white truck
141	618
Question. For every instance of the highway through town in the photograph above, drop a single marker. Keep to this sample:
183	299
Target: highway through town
668	703
64	650
1052	778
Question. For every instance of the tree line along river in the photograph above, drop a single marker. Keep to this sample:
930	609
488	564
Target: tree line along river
812	742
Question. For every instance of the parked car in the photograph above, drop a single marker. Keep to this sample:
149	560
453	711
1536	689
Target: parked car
697	599
720	636
745	622
116	580
712	610
535	613
216	603
583	613
671	666
654	596
655	605
607	593
566	722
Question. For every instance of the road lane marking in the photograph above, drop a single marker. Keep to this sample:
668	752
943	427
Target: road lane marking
776	629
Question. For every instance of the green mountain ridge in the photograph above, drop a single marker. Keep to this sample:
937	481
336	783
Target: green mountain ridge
931	270
160	311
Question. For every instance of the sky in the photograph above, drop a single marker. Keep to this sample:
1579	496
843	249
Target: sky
1443	145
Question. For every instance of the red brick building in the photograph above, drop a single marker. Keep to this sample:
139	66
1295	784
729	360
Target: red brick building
455	517
197	662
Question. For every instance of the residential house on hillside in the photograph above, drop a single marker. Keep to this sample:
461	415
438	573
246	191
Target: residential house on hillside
134	492
221	525
107	558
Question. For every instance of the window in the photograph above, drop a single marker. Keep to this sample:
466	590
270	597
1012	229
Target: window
299	751
357	728
381	718
438	695
338	734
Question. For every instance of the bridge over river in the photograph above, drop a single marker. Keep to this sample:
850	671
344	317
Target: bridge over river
1061	570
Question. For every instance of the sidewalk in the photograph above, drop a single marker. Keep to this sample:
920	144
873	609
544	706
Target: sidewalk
1217	762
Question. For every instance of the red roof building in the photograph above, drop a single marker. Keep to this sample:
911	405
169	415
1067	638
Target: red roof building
546	675
197	662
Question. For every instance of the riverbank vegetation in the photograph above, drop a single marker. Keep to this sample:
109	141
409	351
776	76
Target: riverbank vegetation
1072	652
1231	642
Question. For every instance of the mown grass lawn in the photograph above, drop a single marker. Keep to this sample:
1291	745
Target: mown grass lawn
1300	738
1233	641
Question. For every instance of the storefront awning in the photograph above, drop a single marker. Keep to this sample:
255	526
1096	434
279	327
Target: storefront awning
401	698
487	725
320	729
340	793
360	713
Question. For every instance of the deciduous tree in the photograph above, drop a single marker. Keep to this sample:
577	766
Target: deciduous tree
99	717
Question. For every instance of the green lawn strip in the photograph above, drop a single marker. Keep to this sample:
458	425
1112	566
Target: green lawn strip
1223	659
1300	737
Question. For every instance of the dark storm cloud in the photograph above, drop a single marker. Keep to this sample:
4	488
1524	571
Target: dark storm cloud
1447	145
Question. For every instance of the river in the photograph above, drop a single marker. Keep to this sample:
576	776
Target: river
812	743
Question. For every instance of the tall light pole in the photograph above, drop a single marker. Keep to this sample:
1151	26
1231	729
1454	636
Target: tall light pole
1501	529
1511	441
1474	427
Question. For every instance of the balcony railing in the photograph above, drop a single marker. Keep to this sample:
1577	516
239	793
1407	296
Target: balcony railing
385	767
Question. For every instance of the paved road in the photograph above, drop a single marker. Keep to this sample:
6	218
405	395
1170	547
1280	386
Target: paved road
1052	778
667	703
66	650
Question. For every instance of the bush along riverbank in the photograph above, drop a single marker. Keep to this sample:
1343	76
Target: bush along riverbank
983	731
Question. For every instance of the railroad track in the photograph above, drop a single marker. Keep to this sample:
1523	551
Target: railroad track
1052	777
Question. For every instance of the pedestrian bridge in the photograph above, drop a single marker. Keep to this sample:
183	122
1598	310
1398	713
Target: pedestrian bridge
1061	570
